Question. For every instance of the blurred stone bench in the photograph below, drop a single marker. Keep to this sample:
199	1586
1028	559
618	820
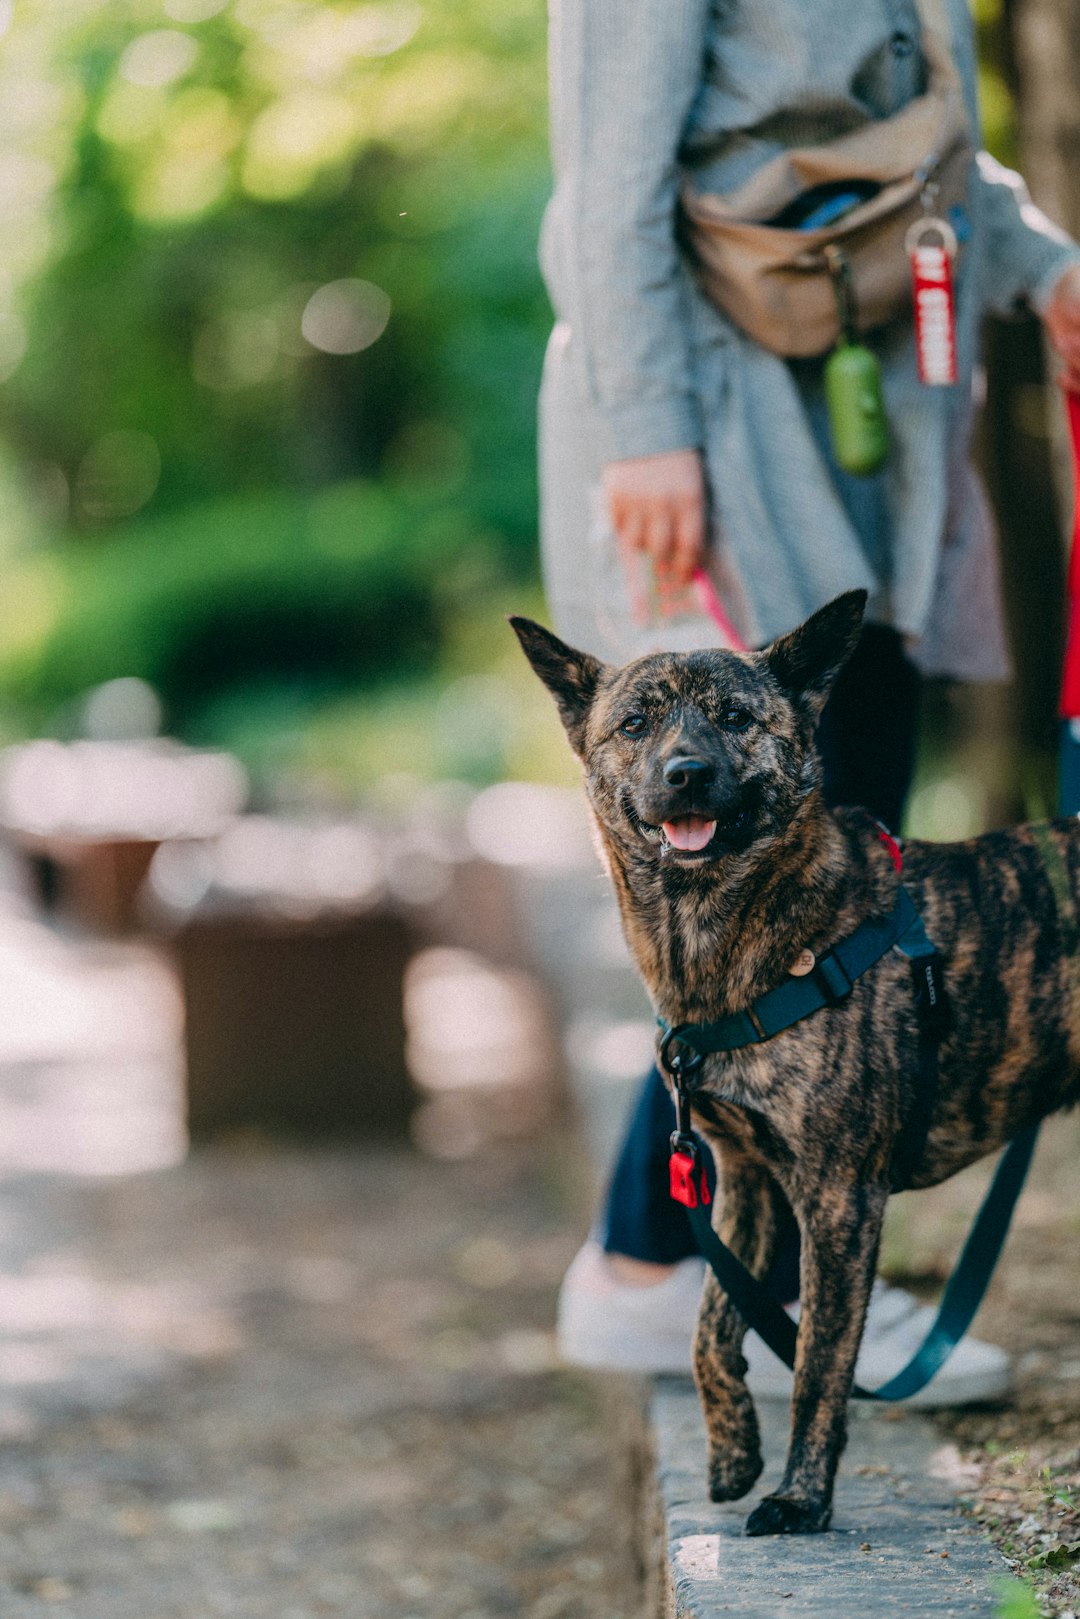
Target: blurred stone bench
87	817
291	960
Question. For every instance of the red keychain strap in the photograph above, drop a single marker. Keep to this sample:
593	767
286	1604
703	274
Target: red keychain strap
934	301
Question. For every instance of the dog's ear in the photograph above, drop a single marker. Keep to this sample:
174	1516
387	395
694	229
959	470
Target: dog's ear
808	659
571	677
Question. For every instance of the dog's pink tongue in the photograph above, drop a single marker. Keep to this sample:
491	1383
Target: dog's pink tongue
691	834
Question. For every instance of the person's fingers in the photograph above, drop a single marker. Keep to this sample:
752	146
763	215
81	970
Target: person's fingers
635	571
628	520
656	505
660	534
689	548
667	597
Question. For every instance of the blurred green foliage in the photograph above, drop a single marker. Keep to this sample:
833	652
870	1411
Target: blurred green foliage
270	338
997	73
234	471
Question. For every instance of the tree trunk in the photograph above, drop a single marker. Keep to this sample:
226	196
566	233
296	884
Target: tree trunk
1022	445
1046	45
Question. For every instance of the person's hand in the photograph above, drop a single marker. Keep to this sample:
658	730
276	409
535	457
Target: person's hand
657	506
1061	317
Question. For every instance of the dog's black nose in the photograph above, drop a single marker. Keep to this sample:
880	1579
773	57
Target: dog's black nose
685	771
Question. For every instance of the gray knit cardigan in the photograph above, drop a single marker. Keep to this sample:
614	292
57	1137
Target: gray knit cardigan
645	93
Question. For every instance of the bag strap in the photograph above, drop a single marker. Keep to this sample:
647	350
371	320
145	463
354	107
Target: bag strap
934	18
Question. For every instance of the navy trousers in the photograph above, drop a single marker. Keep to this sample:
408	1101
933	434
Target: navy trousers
867	741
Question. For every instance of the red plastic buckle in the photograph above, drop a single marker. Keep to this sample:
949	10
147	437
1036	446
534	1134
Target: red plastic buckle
689	1185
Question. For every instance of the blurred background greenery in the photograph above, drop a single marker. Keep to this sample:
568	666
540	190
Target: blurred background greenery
270	333
270	337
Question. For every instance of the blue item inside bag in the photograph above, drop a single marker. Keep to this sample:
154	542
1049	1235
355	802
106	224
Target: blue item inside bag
824	204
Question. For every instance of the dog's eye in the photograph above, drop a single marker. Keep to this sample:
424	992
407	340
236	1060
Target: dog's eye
633	725
735	719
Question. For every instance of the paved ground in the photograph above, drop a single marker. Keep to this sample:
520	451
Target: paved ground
299	1384
266	1382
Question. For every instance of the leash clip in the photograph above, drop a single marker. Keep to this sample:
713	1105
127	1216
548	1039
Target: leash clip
679	1065
687	1180
682	1063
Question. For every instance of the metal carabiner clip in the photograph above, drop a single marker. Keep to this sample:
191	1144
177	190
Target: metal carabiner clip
680	1067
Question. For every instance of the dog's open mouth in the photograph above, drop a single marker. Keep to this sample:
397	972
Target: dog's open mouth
690	835
696	837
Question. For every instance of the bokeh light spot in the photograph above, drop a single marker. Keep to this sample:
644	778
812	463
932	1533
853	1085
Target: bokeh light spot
189	173
25	182
117	475
130	113
346	316
237	351
294	139
326	38
190	11
947	809
158	58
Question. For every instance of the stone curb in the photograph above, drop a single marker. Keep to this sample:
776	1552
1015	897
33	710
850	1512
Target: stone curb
898	1545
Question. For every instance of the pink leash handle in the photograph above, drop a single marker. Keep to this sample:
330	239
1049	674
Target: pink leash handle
710	603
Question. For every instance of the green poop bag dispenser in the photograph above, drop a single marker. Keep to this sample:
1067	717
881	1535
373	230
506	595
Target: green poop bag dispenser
853	398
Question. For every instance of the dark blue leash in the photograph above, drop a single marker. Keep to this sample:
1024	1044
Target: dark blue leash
961	1300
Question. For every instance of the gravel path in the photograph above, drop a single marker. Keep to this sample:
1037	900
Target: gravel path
294	1384
275	1382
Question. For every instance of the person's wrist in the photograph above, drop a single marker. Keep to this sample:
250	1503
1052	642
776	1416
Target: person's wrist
1064	289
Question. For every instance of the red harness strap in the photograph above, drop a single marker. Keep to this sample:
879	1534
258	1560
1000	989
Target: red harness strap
896	854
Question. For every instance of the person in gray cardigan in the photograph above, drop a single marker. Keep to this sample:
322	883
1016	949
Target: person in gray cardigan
668	435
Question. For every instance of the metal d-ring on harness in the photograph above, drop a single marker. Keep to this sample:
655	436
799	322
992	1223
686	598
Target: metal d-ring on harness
683	1050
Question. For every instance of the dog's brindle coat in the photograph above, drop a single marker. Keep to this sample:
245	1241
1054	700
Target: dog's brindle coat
813	1114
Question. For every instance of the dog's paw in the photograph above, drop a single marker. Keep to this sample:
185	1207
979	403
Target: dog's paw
780	1515
732	1473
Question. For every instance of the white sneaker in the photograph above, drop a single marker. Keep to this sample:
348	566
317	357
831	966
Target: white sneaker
896	1324
603	1322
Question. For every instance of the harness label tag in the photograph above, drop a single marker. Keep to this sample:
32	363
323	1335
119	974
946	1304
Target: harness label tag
931	999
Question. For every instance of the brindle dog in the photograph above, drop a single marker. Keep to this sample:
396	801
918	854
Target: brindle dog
705	786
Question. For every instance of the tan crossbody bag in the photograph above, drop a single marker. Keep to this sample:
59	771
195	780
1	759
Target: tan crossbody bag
776	283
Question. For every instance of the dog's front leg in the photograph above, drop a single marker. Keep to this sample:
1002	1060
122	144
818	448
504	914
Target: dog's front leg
840	1238
748	1223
